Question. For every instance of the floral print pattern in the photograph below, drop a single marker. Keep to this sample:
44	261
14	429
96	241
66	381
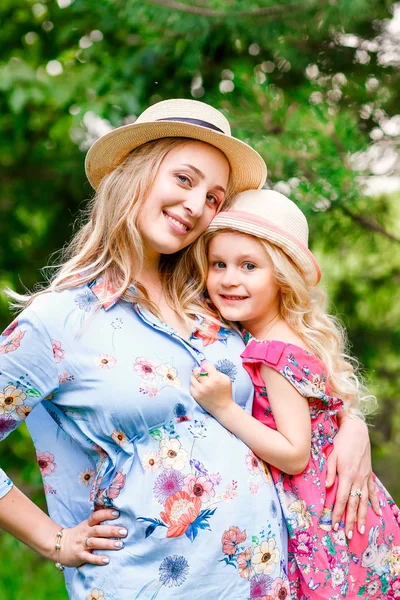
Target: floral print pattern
114	425
322	562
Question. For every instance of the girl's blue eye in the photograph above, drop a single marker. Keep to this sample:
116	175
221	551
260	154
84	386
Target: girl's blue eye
219	265
212	198
183	179
249	266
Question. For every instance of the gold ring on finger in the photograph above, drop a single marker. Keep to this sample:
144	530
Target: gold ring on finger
86	542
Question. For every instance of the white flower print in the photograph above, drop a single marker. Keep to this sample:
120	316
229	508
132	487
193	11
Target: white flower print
265	557
173	456
169	375
151	462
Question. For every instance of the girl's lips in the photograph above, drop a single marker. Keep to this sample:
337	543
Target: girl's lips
177	225
232	298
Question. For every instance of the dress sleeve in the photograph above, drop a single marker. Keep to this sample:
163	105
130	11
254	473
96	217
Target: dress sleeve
28	374
303	370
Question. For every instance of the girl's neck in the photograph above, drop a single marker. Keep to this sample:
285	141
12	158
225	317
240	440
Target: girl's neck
261	329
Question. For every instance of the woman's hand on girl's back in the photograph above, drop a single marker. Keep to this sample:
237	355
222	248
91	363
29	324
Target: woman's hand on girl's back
351	461
78	543
212	391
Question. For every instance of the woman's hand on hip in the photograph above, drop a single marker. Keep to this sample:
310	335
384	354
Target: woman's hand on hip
78	543
211	389
351	461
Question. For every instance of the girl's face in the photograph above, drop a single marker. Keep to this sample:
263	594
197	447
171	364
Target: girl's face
241	281
188	189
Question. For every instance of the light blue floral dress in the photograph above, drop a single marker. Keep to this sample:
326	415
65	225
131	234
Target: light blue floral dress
114	425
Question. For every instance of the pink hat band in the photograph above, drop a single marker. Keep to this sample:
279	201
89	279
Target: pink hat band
268	215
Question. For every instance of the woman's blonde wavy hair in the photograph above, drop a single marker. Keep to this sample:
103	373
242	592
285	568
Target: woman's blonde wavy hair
109	244
303	307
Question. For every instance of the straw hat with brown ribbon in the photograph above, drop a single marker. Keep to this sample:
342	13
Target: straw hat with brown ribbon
177	118
271	216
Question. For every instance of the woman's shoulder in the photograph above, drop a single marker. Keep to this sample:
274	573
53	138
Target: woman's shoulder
54	306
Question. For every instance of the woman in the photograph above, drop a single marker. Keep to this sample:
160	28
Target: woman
108	350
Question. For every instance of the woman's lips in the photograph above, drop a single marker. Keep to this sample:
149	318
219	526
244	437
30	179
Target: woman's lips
178	225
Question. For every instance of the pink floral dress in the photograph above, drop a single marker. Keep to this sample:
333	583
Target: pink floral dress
323	563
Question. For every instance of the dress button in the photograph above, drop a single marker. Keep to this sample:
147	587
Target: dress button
201	356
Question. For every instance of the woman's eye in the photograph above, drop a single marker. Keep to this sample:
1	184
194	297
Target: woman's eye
219	265
183	179
249	266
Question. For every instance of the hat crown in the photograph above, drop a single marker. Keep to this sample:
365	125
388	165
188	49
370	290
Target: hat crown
182	109
276	209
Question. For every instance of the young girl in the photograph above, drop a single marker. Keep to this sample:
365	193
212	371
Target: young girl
262	275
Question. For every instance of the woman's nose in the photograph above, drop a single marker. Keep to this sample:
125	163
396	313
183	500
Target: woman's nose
195	202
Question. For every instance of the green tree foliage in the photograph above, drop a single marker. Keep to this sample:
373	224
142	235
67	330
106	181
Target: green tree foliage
312	85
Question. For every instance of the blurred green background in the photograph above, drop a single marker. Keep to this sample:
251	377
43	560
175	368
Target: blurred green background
312	85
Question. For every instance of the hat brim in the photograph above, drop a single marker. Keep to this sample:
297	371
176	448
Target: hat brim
299	254
248	169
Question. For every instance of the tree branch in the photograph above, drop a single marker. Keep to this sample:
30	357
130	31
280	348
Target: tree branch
208	12
369	224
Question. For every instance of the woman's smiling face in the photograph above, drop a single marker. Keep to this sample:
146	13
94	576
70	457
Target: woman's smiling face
188	190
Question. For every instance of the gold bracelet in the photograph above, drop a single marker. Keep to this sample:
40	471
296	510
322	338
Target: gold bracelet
58	548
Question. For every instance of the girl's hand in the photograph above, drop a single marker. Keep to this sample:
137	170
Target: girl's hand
351	461
78	543
213	391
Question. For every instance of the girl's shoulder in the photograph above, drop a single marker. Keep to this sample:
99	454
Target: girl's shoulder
283	346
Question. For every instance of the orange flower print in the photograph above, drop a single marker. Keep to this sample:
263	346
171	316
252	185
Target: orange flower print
23	411
10	328
57	351
209	335
179	512
12	342
244	564
231	538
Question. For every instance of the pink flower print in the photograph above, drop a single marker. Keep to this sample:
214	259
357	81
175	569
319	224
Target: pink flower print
167	484
260	586
231	538
116	486
102	453
179	512
46	463
12	342
105	361
244	564
280	589
302	544
8	330
253	463
146	368
10	398
200	487
57	351
64	377
394	590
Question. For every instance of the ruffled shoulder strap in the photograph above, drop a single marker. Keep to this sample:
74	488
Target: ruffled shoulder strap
305	371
